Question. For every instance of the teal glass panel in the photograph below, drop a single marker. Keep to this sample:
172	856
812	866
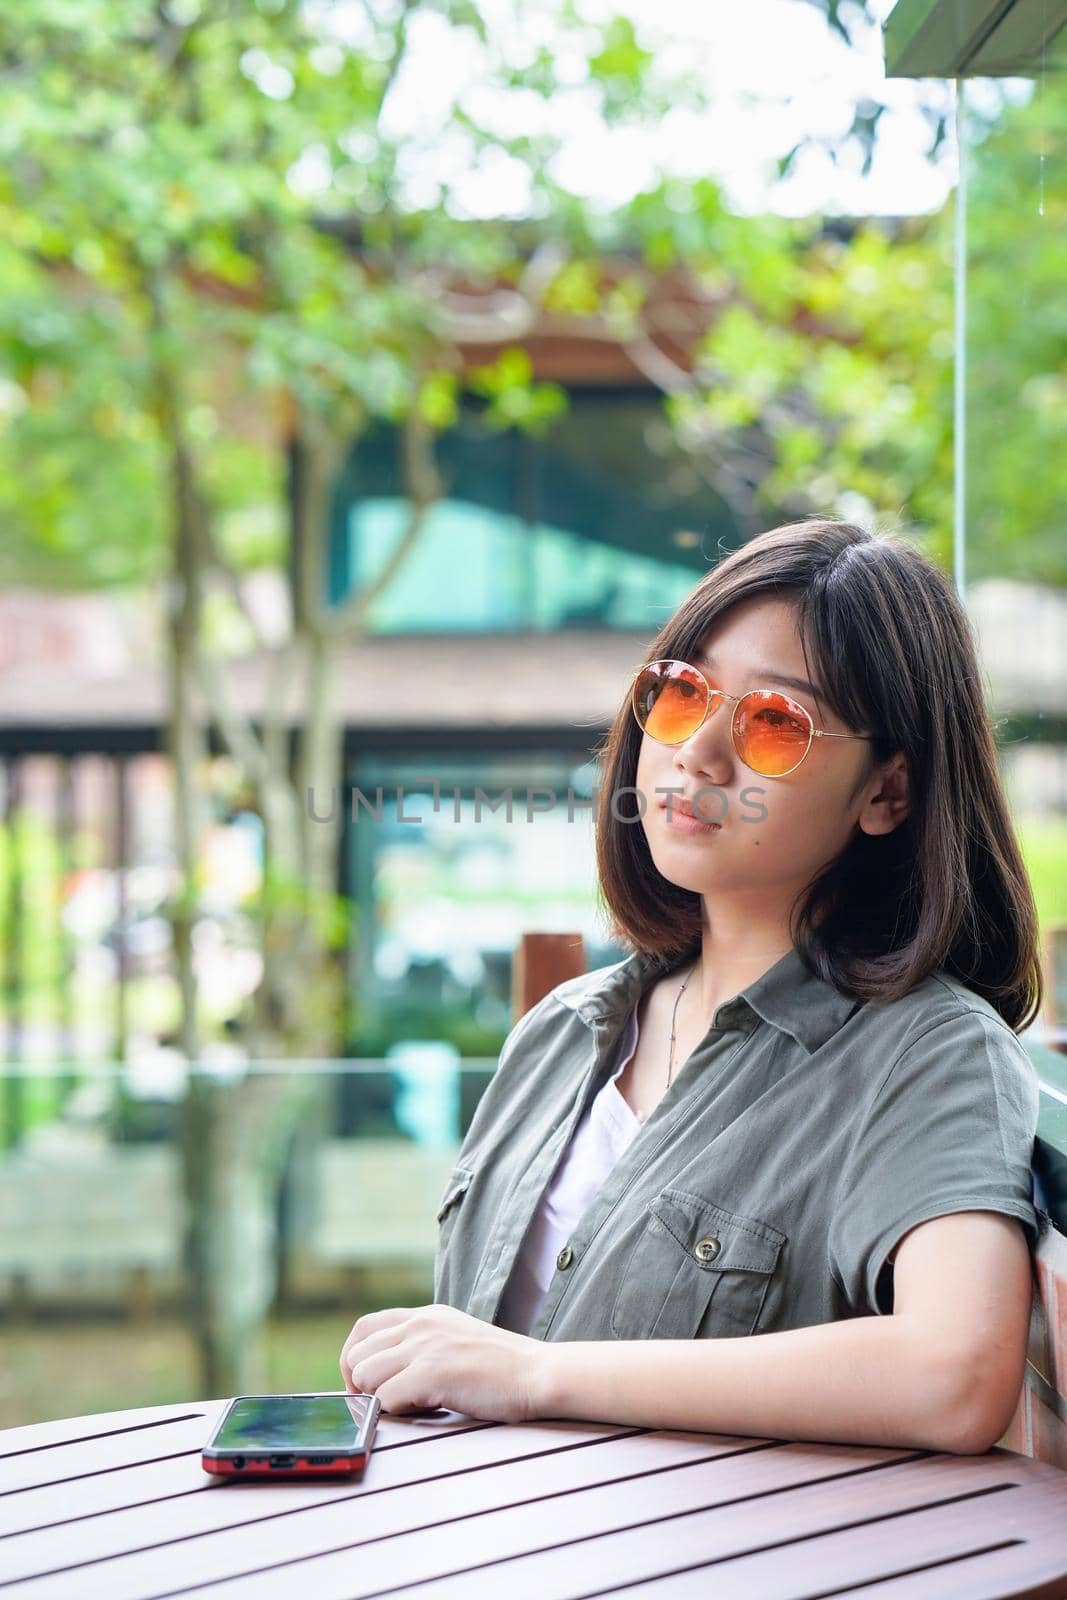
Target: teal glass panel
475	569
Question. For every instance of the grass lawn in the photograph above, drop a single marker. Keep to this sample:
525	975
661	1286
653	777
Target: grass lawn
71	1367
1044	847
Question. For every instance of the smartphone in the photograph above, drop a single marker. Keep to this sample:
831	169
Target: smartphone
293	1436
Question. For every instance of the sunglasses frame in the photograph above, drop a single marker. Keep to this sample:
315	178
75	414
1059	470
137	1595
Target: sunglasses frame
715	694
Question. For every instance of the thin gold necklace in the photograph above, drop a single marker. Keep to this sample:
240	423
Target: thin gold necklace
674	1018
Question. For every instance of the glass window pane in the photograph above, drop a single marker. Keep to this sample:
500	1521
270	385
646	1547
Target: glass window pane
1015	487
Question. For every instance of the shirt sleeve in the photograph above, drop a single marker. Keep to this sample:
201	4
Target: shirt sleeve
950	1128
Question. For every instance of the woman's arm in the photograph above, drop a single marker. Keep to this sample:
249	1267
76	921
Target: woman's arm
943	1372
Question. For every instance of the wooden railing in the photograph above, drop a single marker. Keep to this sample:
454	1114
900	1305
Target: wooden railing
1039	1426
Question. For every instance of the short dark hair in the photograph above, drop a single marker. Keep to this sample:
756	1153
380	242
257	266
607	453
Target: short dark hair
894	656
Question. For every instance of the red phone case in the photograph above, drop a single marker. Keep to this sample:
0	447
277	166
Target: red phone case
297	1466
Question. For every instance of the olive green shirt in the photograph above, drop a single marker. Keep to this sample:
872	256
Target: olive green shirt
804	1135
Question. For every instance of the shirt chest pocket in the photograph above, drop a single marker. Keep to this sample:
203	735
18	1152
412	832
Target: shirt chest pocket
696	1271
459	1181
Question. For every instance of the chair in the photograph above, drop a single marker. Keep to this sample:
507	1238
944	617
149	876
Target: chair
1039	1427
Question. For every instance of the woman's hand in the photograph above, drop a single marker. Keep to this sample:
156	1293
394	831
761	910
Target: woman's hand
417	1357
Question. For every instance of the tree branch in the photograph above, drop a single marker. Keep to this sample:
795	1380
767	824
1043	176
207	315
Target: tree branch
220	567
237	732
425	489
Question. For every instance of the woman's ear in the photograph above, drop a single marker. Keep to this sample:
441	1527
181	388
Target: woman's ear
887	799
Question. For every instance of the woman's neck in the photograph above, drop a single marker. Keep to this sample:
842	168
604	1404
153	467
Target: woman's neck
732	955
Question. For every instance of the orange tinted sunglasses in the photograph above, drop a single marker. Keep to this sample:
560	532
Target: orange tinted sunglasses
771	732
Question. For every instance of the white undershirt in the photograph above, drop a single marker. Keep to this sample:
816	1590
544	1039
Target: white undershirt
606	1128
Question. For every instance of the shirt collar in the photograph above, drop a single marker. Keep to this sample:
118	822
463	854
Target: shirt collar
794	998
789	995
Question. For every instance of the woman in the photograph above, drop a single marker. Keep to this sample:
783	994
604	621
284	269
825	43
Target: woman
799	1108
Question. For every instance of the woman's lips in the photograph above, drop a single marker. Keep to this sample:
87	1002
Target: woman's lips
685	822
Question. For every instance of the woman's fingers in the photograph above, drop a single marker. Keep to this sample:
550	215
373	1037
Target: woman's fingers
375	1322
376	1330
400	1392
371	1371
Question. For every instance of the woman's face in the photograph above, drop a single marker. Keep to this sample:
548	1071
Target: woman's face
774	834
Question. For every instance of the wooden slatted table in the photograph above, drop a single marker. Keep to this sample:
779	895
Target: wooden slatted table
452	1508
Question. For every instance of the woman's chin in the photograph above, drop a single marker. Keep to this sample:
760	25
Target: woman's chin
695	877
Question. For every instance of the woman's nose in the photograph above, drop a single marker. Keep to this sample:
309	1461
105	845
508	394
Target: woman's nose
710	749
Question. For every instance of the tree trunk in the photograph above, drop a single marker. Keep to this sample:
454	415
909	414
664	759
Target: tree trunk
236	1139
239	1136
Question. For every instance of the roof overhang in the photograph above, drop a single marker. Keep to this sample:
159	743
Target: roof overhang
975	38
488	682
494	684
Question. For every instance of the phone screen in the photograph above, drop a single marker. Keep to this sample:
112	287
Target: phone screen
294	1422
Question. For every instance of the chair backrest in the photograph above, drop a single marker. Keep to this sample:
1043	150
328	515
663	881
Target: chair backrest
1039	1426
542	961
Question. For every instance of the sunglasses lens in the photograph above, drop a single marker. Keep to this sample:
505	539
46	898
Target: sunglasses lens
772	732
669	701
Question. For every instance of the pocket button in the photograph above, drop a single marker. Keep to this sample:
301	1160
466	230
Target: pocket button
707	1249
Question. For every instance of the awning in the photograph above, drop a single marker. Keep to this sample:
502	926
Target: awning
975	38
